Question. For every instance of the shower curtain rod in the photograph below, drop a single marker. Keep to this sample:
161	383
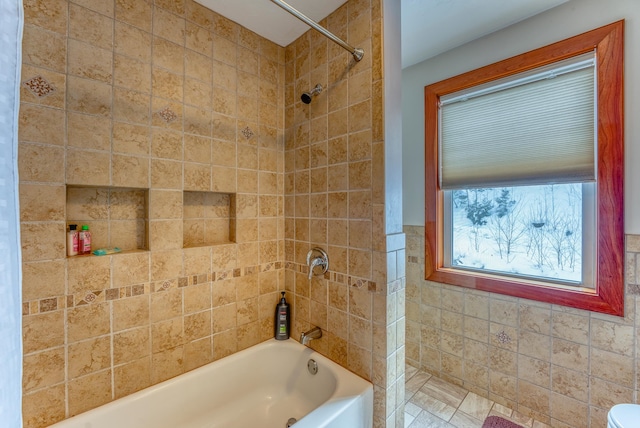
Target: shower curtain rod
357	53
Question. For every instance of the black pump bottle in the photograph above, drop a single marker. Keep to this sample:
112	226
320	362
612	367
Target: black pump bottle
283	320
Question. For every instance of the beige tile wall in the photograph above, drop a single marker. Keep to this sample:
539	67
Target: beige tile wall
563	366
209	217
334	199
161	95
169	96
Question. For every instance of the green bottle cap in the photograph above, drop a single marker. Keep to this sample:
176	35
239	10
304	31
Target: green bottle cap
85	227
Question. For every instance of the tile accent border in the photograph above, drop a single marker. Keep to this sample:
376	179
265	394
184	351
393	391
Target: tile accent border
89	297
335	277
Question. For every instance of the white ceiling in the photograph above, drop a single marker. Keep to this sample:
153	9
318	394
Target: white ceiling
269	20
429	27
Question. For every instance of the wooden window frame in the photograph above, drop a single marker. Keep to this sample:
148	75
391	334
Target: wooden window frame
608	295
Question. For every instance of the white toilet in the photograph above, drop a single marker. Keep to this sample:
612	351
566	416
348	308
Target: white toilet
624	416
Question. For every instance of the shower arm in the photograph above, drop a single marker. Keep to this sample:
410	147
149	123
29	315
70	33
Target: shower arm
357	53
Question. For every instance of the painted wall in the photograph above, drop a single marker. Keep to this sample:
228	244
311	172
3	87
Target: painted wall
562	366
569	19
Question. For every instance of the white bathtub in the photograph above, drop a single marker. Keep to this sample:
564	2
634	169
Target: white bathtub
262	386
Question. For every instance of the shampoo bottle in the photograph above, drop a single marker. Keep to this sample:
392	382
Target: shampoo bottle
72	240
283	320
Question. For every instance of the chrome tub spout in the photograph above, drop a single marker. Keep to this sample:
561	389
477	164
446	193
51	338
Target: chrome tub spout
307	336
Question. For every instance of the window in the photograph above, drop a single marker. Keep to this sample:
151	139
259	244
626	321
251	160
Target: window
524	175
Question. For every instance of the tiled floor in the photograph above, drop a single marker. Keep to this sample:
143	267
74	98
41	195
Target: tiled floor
435	403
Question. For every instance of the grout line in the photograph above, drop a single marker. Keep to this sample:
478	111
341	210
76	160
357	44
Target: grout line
457	409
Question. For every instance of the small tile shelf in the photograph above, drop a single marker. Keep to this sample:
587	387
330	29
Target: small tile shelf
209	218
116	216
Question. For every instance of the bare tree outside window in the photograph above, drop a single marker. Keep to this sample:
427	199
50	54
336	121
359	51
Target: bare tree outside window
528	230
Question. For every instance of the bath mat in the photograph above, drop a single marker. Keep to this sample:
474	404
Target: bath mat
498	422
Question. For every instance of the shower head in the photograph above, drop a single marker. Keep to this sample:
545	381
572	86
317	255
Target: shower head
308	96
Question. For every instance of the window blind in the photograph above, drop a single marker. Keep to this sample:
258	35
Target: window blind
533	128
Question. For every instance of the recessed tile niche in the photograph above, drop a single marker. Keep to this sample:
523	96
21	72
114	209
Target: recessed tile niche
117	217
209	218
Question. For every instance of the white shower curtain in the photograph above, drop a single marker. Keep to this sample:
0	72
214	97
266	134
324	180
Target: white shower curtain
11	23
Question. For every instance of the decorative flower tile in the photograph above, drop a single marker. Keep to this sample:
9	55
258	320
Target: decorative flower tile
167	115
89	297
39	86
247	132
357	282
503	337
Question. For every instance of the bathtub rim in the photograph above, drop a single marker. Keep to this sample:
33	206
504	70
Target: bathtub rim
355	391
